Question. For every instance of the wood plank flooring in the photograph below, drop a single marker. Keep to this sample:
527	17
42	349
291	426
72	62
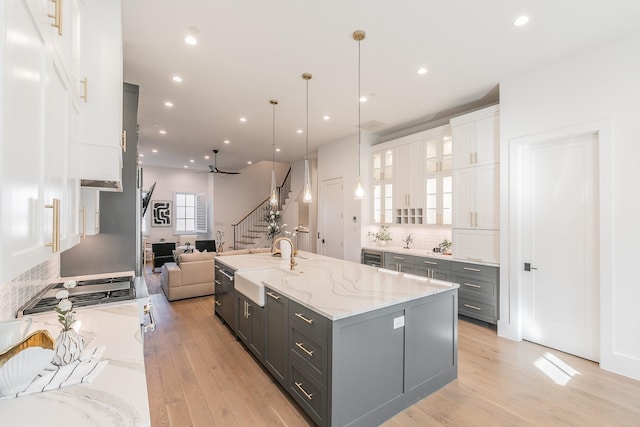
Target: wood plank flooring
199	375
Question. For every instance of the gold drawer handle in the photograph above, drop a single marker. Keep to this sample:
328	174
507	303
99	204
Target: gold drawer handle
471	269
307	395
430	263
218	282
217	302
300	345
398	257
57	16
309	321
274	296
472	285
55	236
473	307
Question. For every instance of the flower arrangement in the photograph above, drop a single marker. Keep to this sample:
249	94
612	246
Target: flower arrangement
273	222
219	242
66	314
383	234
445	246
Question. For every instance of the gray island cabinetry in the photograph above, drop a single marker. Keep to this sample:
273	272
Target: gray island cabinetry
354	345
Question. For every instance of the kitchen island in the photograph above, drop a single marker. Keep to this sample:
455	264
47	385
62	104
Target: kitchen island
116	397
352	344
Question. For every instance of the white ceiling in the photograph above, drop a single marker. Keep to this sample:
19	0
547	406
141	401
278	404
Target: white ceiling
252	51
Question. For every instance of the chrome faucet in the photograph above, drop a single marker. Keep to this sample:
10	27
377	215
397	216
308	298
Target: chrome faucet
293	263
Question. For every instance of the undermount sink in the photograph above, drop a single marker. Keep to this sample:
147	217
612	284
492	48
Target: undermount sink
251	283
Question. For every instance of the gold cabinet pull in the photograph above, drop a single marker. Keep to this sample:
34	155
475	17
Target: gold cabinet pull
55	234
471	269
301	346
83	212
57	16
472	285
476	219
217	302
85	83
124	141
274	296
473	307
307	395
471	218
301	316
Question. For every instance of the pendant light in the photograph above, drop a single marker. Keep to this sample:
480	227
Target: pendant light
359	193
307	198
273	199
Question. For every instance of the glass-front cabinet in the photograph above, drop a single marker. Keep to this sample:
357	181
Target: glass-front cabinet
438	180
382	190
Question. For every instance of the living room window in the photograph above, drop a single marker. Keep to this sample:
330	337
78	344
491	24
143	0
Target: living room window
191	213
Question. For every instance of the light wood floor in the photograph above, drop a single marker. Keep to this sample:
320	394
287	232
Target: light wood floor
199	375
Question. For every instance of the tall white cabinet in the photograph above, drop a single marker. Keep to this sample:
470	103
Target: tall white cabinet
40	116
476	221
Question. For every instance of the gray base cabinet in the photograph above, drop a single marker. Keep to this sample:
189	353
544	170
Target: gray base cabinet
478	290
434	268
225	295
398	262
276	354
250	325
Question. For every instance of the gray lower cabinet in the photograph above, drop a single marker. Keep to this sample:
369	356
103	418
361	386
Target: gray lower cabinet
398	262
276	354
250	325
225	295
434	268
478	290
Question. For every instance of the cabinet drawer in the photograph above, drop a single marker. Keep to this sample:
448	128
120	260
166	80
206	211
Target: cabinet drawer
313	351
477	286
432	263
485	311
309	393
476	269
308	320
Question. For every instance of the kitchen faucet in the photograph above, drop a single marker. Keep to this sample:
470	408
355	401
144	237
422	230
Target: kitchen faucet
273	249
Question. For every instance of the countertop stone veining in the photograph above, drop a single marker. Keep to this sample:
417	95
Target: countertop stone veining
338	289
426	253
116	397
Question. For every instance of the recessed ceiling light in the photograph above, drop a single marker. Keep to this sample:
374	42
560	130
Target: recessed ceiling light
140	155
177	79
422	71
226	141
154	151
299	131
191	161
363	99
249	162
206	157
139	162
521	20
326	118
191	40
168	104
162	132
243	119
186	167
277	150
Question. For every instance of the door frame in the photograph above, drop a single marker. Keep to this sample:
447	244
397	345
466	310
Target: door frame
511	322
321	223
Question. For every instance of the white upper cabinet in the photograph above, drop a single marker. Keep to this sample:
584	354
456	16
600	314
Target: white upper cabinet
100	137
408	196
476	197
476	138
438	190
382	187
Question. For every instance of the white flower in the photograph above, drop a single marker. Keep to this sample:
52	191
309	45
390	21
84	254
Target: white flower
65	305
69	284
63	294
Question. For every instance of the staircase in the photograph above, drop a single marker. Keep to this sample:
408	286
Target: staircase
251	230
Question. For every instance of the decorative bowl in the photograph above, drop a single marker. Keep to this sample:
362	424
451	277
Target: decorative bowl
20	364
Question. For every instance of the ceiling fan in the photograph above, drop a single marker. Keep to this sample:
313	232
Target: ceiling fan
214	168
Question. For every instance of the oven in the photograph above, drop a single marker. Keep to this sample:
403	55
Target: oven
97	289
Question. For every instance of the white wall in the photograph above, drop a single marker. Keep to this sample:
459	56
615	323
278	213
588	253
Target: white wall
168	182
600	85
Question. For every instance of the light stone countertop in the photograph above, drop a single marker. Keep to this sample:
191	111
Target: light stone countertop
425	253
336	288
116	397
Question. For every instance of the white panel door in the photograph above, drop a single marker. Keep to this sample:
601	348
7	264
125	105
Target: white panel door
332	234
559	241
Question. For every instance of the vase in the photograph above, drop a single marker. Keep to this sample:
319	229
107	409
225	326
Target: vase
69	347
382	242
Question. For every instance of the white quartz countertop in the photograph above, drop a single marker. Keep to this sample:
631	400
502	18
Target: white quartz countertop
426	253
336	288
116	397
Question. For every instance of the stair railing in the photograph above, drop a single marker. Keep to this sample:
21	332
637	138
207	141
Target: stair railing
253	226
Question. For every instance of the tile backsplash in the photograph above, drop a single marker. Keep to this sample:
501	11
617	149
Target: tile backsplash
17	292
423	237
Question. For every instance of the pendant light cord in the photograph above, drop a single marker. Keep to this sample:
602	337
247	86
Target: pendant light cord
273	143
306	157
359	102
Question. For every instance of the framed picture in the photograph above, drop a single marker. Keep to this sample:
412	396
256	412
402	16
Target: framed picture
161	210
